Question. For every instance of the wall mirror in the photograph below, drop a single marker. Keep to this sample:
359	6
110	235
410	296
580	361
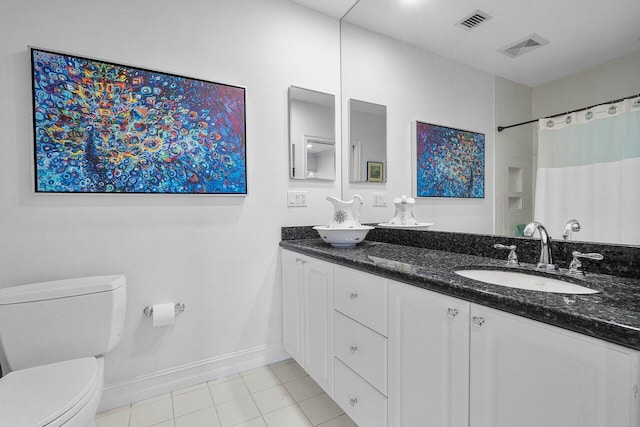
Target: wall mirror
312	148
356	84
367	141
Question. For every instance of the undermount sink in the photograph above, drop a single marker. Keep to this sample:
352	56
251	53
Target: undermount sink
519	280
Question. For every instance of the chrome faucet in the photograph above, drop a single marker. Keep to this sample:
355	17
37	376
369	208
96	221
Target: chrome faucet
571	226
546	253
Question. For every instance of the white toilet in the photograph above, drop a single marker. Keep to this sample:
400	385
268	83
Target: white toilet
52	339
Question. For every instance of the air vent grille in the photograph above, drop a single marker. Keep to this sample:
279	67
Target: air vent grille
526	45
471	21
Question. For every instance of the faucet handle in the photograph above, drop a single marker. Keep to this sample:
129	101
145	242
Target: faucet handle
576	266
512	259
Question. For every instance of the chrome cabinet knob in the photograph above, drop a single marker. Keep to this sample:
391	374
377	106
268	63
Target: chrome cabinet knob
353	349
478	321
353	401
452	312
354	295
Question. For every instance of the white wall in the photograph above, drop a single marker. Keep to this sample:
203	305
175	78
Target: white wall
218	255
417	85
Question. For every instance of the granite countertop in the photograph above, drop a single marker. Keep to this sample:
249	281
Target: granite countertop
613	314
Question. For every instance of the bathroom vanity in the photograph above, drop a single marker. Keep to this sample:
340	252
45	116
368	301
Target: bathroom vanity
396	338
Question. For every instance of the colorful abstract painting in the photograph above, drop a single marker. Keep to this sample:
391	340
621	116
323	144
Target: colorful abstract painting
450	162
107	128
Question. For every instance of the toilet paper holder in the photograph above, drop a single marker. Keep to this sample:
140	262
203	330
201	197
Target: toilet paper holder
148	310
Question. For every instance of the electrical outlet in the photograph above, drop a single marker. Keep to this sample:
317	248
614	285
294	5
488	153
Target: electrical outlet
296	198
379	199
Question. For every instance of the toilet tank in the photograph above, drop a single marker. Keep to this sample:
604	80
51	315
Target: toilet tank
60	320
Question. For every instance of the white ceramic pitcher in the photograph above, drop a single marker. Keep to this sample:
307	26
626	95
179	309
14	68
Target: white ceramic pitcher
346	214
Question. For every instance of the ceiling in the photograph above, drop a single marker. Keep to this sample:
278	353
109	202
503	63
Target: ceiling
581	33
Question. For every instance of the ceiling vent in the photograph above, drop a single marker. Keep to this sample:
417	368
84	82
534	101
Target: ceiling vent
525	45
470	22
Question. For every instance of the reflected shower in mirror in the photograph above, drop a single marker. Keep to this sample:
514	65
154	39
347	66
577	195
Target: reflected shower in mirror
312	149
367	141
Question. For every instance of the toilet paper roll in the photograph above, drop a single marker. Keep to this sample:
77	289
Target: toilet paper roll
164	314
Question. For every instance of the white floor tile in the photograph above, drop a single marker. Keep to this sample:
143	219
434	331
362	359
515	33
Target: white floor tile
192	401
223	379
282	362
151	399
203	418
261	380
118	417
237	411
289	372
254	370
237	401
188	389
303	388
320	409
256	422
154	412
291	416
342	421
228	390
272	399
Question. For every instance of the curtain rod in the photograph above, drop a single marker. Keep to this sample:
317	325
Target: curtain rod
501	128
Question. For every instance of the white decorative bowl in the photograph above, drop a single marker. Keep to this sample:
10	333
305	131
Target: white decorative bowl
343	237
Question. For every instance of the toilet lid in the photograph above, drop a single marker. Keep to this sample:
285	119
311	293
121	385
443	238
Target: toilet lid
37	396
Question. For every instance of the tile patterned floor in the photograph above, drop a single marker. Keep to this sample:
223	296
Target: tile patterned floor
278	395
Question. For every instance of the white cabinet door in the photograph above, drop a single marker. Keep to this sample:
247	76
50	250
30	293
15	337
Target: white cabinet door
428	358
292	305
318	314
307	315
528	374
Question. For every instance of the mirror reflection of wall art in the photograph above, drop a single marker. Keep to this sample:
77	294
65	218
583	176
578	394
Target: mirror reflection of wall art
374	171
449	162
101	127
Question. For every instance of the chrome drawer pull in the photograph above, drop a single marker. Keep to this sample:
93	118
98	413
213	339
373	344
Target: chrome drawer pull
478	321
452	312
353	401
354	295
353	349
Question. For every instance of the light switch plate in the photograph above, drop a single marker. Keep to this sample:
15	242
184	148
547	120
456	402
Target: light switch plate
296	198
379	199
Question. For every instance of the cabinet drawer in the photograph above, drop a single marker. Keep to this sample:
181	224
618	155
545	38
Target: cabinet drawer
361	349
362	297
363	403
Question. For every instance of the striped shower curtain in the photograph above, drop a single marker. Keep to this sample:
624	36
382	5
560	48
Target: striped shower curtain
589	169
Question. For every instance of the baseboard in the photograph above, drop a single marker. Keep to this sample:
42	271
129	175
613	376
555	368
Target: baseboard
146	386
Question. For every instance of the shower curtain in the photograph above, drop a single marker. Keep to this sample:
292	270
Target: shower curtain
589	169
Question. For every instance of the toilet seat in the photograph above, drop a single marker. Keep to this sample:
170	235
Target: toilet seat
49	395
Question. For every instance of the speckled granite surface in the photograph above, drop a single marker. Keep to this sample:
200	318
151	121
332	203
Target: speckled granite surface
618	260
612	315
